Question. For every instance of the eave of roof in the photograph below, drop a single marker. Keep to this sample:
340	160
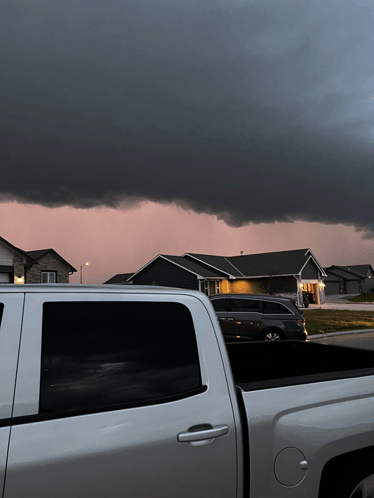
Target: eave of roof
17	250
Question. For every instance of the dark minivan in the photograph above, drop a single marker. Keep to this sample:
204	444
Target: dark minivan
258	317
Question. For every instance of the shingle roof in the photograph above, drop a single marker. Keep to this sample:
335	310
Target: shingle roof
346	269
120	278
18	250
37	254
272	263
194	266
263	264
220	262
362	269
41	252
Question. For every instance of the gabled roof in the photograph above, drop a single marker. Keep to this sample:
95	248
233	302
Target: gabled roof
120	278
362	269
18	251
346	269
36	255
195	267
220	263
198	269
279	263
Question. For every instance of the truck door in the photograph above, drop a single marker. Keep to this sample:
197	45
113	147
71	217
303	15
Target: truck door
10	329
120	395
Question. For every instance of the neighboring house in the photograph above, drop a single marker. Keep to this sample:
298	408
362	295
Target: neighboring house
32	267
354	279
120	279
287	273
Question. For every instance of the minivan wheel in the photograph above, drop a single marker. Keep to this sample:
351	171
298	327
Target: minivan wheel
272	335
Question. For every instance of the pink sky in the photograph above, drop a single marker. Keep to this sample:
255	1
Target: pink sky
123	240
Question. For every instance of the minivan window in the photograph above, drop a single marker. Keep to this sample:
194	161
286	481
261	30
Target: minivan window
244	305
1	311
219	304
103	354
276	308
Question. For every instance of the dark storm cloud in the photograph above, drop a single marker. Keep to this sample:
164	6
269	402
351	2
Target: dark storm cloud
254	111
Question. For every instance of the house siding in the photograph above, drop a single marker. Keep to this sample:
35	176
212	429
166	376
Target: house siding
48	263
6	256
162	272
368	283
310	271
278	285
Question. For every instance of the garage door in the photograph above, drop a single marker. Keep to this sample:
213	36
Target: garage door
4	278
332	288
353	287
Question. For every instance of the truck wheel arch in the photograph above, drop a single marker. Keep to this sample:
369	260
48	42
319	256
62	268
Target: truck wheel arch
343	473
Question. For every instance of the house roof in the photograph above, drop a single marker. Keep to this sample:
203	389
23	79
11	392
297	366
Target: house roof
36	255
195	267
261	265
220	263
346	269
18	251
120	278
362	269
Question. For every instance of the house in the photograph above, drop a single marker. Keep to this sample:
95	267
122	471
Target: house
353	279
289	273
32	267
120	279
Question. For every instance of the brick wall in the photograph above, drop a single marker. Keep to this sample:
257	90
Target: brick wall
47	263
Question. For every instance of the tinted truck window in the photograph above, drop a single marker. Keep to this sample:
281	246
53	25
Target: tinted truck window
102	354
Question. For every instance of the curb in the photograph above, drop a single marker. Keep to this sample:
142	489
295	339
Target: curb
315	337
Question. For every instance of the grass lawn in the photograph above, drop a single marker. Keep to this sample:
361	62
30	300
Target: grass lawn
324	321
367	298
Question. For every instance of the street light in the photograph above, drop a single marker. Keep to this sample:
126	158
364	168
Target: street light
85	264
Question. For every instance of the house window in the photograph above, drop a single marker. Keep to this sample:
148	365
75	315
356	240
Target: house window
48	277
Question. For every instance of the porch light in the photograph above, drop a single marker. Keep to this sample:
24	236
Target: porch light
301	286
322	285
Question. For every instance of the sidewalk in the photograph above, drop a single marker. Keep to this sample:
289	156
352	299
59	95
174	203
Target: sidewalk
341	306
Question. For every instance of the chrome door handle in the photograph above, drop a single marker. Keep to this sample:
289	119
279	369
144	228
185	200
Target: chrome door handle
221	318
230	319
217	431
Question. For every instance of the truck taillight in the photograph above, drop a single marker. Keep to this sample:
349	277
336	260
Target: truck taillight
301	321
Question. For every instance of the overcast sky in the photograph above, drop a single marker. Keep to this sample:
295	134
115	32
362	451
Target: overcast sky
252	111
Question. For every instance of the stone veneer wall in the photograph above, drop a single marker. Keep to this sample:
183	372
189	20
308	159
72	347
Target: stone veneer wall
18	269
47	263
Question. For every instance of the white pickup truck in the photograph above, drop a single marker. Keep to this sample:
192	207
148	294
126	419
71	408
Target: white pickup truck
131	392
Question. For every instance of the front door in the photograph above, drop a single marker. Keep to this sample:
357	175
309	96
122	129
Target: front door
101	411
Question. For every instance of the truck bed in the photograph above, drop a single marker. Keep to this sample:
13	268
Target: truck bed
265	365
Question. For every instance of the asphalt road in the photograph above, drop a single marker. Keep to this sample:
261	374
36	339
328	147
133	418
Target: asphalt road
357	339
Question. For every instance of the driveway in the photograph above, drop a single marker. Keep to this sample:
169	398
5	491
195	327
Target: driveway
337	302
